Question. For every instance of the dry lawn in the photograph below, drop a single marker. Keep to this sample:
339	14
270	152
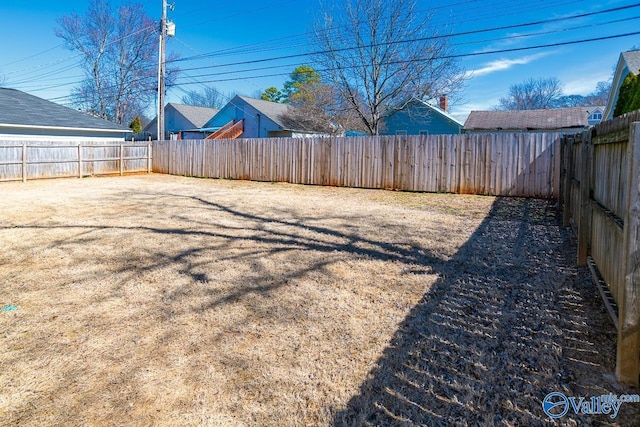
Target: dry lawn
158	300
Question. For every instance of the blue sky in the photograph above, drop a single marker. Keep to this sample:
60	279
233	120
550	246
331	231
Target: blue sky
33	59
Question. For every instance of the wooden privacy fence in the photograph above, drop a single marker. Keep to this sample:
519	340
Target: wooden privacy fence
508	164
600	198
23	161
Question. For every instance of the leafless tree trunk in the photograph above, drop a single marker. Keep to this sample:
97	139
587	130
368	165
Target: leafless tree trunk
380	54
119	49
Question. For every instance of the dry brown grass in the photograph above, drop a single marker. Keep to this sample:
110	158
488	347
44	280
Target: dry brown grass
158	300
164	300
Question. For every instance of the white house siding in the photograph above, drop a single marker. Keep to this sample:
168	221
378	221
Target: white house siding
14	134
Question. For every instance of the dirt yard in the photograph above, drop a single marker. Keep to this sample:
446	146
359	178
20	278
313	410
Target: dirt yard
158	300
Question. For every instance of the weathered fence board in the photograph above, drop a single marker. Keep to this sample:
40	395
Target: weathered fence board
37	160
489	164
601	178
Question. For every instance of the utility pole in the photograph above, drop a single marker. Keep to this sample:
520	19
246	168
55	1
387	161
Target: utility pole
161	70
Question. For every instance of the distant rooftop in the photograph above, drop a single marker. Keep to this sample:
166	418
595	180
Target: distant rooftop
196	115
523	120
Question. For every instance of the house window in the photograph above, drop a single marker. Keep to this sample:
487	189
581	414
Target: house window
401	132
424	132
597	116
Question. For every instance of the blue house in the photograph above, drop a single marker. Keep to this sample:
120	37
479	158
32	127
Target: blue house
181	119
246	117
418	117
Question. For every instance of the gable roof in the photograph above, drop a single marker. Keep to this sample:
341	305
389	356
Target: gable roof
273	110
431	107
196	115
627	62
632	59
20	109
523	120
277	113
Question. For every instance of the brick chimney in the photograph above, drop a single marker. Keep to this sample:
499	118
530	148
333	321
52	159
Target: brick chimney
444	103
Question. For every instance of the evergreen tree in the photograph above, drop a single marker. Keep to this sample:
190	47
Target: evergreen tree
271	94
302	76
629	95
136	125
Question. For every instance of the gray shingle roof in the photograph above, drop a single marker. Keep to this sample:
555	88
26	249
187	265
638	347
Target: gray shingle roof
558	118
22	109
279	114
272	110
632	58
196	115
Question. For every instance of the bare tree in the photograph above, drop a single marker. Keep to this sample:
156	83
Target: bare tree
533	94
208	97
313	107
600	96
119	51
378	54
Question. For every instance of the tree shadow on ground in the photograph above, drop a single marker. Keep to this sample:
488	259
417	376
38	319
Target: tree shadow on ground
504	325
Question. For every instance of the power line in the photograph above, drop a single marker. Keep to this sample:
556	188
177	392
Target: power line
260	46
455	56
464	33
581	27
237	50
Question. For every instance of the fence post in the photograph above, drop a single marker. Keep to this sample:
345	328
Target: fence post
628	354
563	173
24	162
149	157
584	228
121	160
568	181
79	160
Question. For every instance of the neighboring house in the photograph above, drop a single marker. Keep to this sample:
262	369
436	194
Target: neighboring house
627	62
417	117
563	120
25	117
256	118
181	120
594	114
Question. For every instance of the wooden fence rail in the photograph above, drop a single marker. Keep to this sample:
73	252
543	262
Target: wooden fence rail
507	164
601	200
22	161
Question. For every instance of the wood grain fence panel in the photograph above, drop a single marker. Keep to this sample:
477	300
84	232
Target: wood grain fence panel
47	159
497	164
602	185
607	250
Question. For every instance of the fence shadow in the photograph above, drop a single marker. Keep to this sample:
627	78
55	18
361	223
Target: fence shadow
500	329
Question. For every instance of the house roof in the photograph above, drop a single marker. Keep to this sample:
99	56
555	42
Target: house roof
273	110
632	59
627	62
20	109
278	113
519	120
196	115
430	106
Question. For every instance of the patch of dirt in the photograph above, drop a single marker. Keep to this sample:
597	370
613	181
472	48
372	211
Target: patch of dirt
179	301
